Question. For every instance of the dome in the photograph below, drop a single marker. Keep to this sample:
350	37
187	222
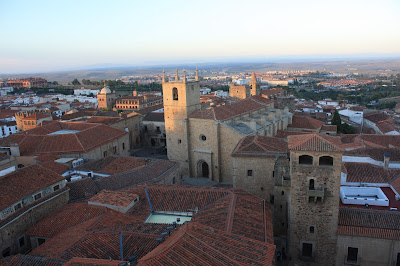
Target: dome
105	90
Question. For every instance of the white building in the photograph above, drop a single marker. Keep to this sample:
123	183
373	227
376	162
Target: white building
86	91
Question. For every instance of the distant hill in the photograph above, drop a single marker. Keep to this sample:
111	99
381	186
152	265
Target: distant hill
340	66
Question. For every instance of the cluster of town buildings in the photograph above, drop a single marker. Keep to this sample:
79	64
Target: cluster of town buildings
287	188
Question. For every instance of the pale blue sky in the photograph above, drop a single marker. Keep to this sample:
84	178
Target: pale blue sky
46	35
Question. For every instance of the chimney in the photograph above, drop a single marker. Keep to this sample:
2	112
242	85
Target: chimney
386	158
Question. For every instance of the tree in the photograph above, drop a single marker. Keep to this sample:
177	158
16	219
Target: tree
55	83
336	120
76	82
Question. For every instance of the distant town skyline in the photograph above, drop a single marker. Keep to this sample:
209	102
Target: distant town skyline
43	35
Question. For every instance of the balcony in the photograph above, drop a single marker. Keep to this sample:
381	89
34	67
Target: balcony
316	192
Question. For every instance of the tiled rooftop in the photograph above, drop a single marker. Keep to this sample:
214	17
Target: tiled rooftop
229	111
229	226
24	182
260	145
115	198
304	122
369	223
38	141
368	173
314	142
113	165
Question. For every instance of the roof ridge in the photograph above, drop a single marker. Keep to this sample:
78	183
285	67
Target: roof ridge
231	213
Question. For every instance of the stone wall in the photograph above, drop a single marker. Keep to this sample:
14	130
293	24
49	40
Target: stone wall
371	251
313	214
13	231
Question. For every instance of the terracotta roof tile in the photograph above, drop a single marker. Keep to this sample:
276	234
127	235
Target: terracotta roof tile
113	165
67	217
305	122
314	142
103	120
81	189
38	141
229	111
24	182
115	198
260	145
29	260
368	173
154	117
195	244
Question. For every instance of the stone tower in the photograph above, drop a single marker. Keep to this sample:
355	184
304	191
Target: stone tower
181	98
315	171
106	98
255	88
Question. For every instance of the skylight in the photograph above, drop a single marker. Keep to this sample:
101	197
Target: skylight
63	132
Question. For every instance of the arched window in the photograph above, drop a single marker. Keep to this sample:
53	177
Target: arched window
306	159
311	185
325	160
175	94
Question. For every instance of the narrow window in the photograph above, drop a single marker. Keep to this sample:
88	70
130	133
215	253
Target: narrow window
123	146
306	160
17	207
21	242
283	193
175	94
38	196
41	241
271	199
352	254
311	184
398	259
312	229
307	250
179	141
105	154
249	173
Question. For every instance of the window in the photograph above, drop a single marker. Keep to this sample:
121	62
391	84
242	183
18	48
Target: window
311	184
311	199
145	129
352	255
175	94
273	173
57	187
41	241
306	159
271	199
38	196
115	149
158	130
179	141
249	173
105	154
312	229
17	207
306	250
398	259
21	242
6	252
123	146
326	160
283	193
203	138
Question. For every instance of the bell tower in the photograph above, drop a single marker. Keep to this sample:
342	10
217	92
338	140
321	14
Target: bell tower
181	97
255	88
